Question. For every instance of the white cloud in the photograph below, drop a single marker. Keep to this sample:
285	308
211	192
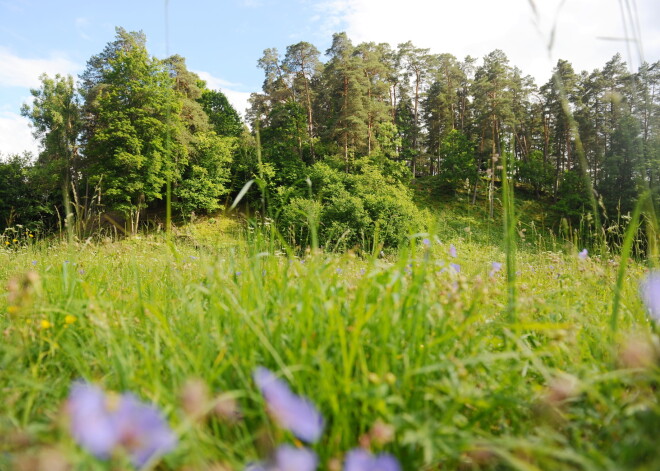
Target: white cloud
16	135
18	71
215	82
476	27
237	99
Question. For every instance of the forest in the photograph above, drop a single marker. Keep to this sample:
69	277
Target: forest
340	138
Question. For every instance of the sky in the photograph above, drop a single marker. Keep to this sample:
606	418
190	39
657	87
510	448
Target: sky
223	39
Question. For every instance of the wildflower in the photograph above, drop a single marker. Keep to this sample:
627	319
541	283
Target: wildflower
15	240
31	235
583	255
456	267
45	324
7	242
361	460
650	290
495	267
69	319
102	423
452	251
426	242
288	458
34	262
292	412
12	309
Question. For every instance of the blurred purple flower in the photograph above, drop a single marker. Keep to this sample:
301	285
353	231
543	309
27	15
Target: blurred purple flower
650	290
456	267
452	251
426	242
288	458
495	267
292	412
102	423
583	255
361	460
34	262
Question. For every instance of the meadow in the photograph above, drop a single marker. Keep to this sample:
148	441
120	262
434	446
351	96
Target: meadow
436	355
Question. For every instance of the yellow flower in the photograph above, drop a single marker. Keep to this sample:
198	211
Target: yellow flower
45	324
7	242
31	235
15	240
12	309
69	319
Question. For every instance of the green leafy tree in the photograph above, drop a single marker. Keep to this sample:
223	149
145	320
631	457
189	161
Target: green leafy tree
133	113
19	198
55	116
282	142
222	116
457	161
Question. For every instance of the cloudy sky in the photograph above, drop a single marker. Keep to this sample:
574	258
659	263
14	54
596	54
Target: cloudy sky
222	39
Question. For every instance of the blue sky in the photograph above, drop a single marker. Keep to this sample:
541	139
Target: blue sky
223	39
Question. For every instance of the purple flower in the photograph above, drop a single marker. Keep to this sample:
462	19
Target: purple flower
288	458
650	290
34	262
426	242
102	423
583	255
452	251
292	412
456	267
495	267
361	460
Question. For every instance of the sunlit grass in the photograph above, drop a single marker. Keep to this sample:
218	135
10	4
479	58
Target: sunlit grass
405	339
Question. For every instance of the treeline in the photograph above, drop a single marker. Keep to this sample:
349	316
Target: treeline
456	119
132	127
340	139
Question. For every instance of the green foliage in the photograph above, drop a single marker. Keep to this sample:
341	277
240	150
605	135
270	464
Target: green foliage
354	209
206	177
130	147
19	203
535	172
394	340
574	199
283	142
222	116
457	161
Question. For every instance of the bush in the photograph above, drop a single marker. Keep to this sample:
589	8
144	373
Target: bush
352	209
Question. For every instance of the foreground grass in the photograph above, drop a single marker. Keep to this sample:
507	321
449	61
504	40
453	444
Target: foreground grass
406	341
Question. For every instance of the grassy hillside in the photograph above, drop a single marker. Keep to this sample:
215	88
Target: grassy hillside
418	355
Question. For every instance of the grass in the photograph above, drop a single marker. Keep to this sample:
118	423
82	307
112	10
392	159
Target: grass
404	340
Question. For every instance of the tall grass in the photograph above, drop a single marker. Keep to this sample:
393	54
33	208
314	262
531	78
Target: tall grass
408	341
